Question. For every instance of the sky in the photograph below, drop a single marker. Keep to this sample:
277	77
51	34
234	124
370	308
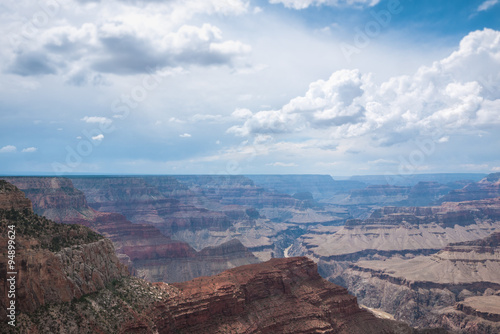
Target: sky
340	87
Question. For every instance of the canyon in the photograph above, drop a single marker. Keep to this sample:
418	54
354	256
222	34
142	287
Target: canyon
71	281
400	248
148	253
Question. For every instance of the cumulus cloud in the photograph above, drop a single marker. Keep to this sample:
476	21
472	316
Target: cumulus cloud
457	94
302	4
8	149
185	135
29	150
95	119
122	46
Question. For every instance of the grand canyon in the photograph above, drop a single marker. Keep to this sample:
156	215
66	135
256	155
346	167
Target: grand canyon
255	254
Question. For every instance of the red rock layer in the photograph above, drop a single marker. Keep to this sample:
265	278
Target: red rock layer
278	296
144	248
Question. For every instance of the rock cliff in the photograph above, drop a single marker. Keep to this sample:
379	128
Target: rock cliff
143	203
54	198
428	290
488	187
148	253
11	198
404	230
53	262
279	296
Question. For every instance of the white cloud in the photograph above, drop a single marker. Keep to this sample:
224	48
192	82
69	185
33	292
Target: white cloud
185	135
99	137
95	119
446	98
487	5
131	40
495	169
242	113
443	139
8	149
29	150
302	4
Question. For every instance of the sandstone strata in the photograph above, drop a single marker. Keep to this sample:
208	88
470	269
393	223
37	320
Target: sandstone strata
11	198
148	253
434	290
489	187
54	263
280	296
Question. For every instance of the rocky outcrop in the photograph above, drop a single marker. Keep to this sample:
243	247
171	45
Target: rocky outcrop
489	187
54	198
53	262
420	290
279	296
143	203
12	198
485	307
404	230
144	248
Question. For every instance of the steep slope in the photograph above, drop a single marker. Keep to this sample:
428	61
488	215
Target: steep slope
488	187
148	253
425	290
54	198
404	230
143	203
52	262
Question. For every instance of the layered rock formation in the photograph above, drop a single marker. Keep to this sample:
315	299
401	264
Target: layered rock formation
11	198
280	296
489	187
143	203
54	198
148	253
53	263
404	230
426	290
320	186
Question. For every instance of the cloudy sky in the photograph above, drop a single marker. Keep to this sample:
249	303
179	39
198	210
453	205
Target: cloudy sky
339	87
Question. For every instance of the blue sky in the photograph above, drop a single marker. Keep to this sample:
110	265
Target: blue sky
337	87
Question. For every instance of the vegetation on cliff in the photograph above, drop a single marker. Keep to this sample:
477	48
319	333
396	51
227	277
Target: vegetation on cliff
50	235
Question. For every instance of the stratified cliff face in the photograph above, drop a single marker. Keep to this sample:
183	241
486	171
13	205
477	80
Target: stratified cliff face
279	296
404	230
54	198
12	198
320	186
143	203
53	262
236	190
148	253
489	187
428	290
